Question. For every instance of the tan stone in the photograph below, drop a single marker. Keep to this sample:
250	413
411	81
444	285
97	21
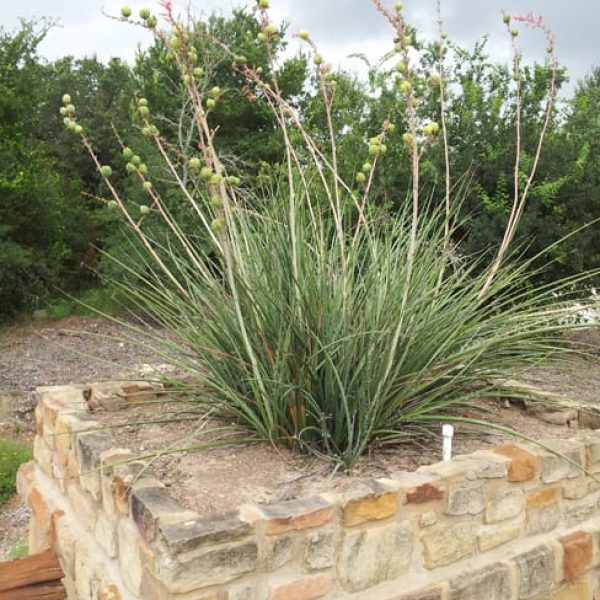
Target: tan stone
295	515
504	504
374	555
307	588
465	500
25	480
523	467
576	590
130	562
84	506
371	508
577	554
537	570
42	455
105	533
39	508
109	592
446	543
492	582
575	489
491	539
543	497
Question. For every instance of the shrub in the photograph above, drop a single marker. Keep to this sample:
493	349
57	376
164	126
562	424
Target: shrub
12	456
304	315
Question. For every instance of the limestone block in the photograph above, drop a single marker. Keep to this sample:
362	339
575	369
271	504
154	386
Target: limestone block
446	543
374	555
492	582
504	504
319	551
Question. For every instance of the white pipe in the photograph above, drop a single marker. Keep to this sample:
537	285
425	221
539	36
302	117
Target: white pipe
447	434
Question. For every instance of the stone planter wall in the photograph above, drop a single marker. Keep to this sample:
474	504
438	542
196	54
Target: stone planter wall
513	523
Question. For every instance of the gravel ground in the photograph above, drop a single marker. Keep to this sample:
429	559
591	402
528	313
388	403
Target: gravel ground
75	350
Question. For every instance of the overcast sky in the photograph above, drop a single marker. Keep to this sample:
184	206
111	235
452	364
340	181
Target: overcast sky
340	27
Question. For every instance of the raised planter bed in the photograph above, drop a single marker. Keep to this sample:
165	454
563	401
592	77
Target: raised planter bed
513	523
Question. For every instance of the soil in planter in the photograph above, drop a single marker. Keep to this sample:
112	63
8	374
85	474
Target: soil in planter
216	480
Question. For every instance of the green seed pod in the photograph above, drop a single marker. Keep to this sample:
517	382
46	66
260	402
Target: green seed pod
194	163
136	160
398	6
105	171
303	35
263	3
232	180
143	169
390	128
435	80
215	92
216	202
240	59
444	35
374	150
66	99
406	86
151	22
210	103
409	140
375	141
383	149
130	167
126	12
398	48
72	125
70	109
144	210
205	173
367	166
142	102
67	121
63	111
127	153
514	33
198	72
506	19
175	43
144	111
144	13
407	40
112	204
215	179
317	59
147	185
261	37
78	129
187	79
217	225
360	177
270	29
259	70
402	67
146	131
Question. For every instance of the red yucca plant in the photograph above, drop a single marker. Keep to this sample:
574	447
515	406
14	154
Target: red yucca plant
301	313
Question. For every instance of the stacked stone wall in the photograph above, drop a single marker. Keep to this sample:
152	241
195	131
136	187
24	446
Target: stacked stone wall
513	523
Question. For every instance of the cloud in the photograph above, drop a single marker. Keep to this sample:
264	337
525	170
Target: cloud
340	27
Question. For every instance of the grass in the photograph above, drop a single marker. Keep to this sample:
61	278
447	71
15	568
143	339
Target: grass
12	455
